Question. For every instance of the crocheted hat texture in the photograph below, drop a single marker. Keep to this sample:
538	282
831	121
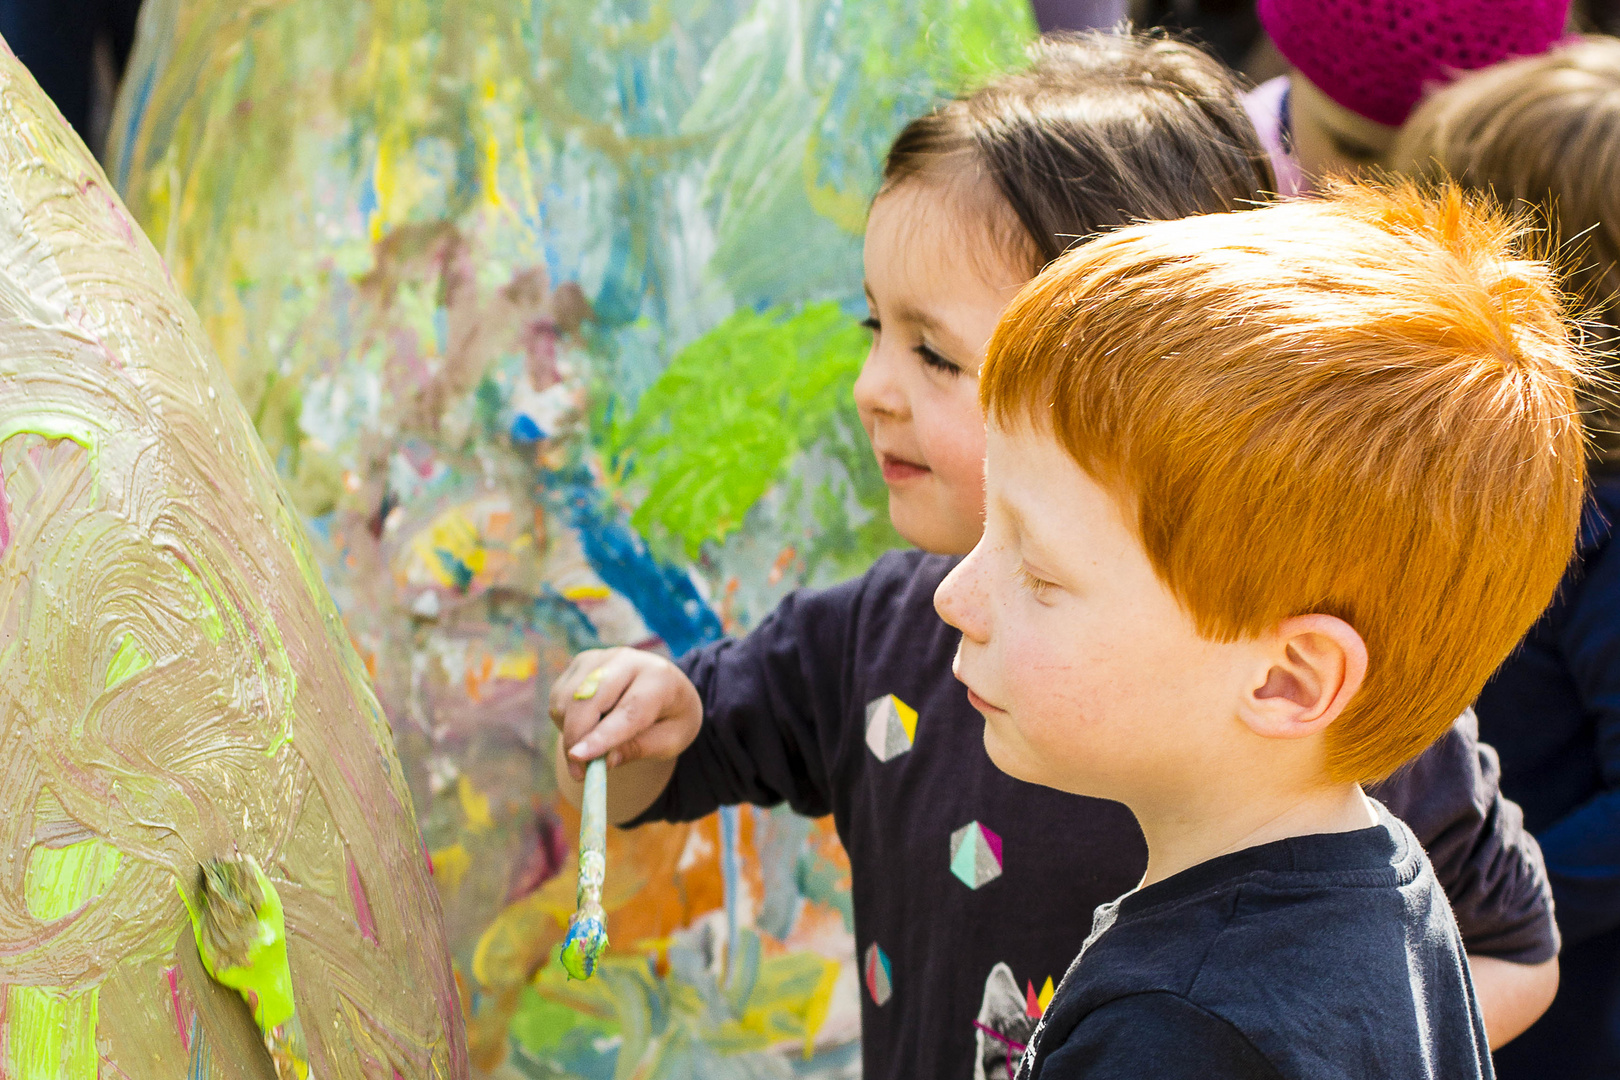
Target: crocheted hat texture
1376	57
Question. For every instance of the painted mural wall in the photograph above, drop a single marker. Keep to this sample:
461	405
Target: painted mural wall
546	312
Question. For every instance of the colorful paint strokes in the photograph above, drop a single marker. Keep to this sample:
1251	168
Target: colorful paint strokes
175	684
546	312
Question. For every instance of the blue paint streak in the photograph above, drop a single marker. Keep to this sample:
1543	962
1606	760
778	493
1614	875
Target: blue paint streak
663	595
525	430
728	872
143	97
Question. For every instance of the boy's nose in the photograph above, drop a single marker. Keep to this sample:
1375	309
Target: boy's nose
961	598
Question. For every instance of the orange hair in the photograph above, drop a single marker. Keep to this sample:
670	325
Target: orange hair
1361	406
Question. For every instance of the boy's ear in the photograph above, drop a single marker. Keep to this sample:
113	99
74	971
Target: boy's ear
1316	663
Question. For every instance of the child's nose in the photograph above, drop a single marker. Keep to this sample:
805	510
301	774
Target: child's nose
961	597
877	389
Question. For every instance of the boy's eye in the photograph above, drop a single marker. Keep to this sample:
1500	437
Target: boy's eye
938	362
1039	586
871	323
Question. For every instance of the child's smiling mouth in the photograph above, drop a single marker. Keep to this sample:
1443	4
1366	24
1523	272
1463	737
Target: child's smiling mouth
897	470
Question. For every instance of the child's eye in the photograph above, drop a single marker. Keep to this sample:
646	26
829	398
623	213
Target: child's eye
938	362
871	323
1038	586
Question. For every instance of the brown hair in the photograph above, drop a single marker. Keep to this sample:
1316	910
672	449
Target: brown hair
1359	406
1543	132
1102	129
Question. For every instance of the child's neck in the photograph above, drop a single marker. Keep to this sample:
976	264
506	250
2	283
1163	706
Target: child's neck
1183	834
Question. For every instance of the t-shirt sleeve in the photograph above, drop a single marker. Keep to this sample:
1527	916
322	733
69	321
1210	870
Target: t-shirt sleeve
1487	862
1583	847
1159	1035
773	703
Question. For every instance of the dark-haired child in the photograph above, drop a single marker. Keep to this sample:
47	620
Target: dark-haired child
965	882
1269	496
1544	132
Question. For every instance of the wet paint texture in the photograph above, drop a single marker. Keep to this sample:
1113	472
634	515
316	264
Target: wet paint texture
174	681
545	310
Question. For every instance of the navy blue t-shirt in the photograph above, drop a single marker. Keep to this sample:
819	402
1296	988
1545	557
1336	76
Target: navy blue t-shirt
1326	957
1553	711
972	890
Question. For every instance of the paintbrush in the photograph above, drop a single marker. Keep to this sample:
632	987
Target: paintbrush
241	935
587	931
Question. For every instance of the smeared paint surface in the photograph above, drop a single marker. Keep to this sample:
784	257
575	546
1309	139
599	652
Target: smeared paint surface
174	681
545	311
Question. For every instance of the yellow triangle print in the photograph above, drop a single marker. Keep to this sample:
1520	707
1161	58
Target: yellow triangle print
908	717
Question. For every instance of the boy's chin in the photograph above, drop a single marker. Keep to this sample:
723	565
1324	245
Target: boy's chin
1014	764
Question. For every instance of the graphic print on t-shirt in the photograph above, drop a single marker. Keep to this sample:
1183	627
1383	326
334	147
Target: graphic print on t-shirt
879	974
891	726
1007	1019
975	855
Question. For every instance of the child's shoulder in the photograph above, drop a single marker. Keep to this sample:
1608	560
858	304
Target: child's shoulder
1306	947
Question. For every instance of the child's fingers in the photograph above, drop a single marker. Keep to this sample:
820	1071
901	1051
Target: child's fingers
633	712
661	741
594	696
572	679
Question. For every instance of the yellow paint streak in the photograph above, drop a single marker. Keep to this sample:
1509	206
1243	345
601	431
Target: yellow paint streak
50	1034
59	881
819	1005
130	660
474	805
450	866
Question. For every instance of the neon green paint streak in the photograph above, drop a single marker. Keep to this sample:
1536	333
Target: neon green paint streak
213	625
62	880
130	660
52	1033
68	426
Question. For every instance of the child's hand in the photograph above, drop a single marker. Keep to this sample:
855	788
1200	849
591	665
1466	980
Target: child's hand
625	704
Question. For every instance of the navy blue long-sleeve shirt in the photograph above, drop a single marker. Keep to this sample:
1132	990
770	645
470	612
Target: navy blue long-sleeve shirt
1553	713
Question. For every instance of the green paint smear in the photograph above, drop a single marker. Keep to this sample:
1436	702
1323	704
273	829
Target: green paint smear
130	660
51	1035
62	880
729	414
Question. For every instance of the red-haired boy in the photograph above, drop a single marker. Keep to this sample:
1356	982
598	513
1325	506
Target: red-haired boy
1269	496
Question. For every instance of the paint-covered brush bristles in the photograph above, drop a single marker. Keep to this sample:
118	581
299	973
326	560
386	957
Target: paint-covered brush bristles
241	936
587	931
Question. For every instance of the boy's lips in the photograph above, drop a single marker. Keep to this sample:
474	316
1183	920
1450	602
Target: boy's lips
896	470
979	703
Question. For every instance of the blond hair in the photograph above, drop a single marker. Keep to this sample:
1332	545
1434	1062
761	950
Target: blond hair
1543	133
1360	406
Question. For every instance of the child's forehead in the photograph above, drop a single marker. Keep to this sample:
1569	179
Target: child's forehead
926	229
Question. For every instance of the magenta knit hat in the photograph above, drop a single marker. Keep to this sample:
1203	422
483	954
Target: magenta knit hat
1376	57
